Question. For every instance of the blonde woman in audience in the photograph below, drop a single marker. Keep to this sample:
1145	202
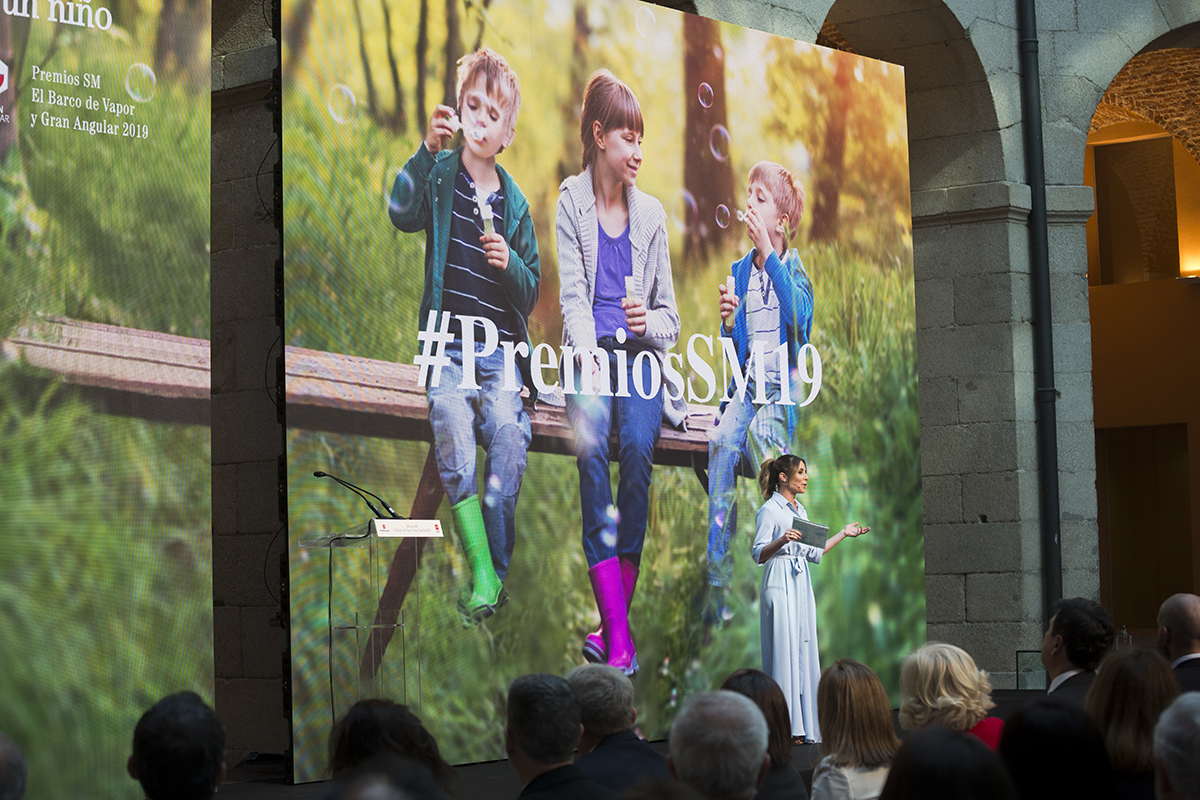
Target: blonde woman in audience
1131	690
859	738
940	685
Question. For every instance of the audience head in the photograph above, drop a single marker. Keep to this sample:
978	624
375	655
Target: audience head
762	689
1179	626
1176	749
375	727
1130	692
940	763
940	685
385	777
13	770
178	749
605	699
543	719
718	745
1053	750
855	716
1080	633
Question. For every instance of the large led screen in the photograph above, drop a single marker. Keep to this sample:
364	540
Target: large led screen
105	530
509	231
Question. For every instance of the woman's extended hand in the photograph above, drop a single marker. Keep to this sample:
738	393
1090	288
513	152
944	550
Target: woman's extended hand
854	530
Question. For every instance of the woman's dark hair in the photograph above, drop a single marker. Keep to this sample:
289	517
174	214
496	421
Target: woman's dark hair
377	727
766	694
855	716
775	468
1041	739
1130	692
937	762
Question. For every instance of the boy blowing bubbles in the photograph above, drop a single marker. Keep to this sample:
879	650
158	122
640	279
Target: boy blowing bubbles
481	263
770	303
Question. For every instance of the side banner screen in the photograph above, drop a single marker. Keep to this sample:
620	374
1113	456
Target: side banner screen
562	275
105	518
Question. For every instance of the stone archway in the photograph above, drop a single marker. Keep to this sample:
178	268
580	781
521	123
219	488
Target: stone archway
1148	439
969	210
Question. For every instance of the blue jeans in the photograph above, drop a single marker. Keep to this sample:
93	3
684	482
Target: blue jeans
615	531
745	430
493	418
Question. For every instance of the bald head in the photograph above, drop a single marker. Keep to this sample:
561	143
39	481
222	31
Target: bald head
1179	625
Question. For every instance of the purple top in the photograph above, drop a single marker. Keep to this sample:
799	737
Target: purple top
614	262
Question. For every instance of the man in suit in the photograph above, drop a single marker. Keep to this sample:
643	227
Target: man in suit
178	749
541	735
1176	743
609	751
1179	638
1080	633
719	746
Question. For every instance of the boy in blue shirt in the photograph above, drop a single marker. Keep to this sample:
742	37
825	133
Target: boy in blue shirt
770	303
481	263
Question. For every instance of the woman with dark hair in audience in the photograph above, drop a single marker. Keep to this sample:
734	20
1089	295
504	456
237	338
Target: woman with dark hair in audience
859	740
782	780
938	763
1132	688
1053	750
940	685
377	727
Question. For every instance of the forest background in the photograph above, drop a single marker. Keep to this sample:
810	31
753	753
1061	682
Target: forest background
105	521
360	80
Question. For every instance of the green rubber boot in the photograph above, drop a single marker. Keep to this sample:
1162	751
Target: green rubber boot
485	594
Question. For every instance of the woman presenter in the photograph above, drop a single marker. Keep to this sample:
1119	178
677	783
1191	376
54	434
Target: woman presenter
787	607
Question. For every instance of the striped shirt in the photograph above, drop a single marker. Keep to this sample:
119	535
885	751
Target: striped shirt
471	284
762	322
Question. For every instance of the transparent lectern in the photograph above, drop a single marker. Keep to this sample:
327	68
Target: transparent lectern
370	652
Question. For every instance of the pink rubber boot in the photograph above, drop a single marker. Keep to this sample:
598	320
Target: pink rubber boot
609	589
594	649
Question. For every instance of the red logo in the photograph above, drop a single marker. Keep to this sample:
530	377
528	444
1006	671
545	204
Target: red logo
3	76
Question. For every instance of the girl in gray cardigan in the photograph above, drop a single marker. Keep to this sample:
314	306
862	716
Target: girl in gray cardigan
619	321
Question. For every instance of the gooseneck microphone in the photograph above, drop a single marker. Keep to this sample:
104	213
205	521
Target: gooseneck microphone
360	492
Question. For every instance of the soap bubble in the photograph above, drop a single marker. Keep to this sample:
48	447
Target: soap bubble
341	103
705	94
644	21
398	190
722	215
688	211
609	536
612	514
718	53
718	143
139	83
494	482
